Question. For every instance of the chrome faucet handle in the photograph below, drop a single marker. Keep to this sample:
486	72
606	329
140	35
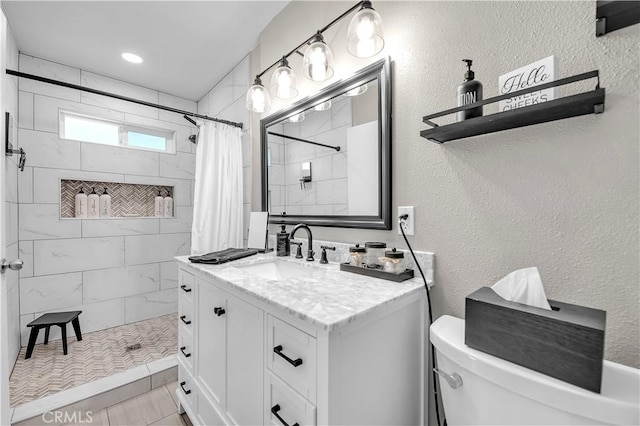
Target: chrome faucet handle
298	249
323	255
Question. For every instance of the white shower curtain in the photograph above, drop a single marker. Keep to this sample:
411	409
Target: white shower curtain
217	203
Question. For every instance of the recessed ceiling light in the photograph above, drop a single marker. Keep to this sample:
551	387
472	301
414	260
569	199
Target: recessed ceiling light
134	59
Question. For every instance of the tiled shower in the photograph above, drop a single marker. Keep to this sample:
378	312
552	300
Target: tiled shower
117	270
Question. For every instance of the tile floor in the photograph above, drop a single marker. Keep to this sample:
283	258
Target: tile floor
157	407
99	354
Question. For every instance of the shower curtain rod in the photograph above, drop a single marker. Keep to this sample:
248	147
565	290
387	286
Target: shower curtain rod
337	148
122	98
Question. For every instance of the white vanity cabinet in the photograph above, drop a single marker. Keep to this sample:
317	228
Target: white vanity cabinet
255	362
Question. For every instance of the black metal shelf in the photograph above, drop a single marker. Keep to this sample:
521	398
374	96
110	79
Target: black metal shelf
557	109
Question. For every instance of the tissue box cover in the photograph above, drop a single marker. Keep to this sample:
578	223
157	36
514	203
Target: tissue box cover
566	343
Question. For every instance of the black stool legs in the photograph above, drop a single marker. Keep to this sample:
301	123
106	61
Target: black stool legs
33	336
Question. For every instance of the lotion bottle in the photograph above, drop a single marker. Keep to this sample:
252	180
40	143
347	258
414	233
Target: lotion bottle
283	248
81	204
469	91
93	204
105	204
168	205
159	205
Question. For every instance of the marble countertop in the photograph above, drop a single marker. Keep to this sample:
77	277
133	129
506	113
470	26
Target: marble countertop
325	297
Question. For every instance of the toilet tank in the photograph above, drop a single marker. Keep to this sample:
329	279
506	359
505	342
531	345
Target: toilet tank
498	392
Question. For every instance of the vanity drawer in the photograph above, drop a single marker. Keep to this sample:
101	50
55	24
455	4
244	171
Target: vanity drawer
187	389
291	355
185	348
283	406
186	284
185	313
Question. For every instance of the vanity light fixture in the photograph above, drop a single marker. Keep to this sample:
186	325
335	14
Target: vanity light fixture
317	60
357	91
132	57
364	39
297	118
284	83
257	99
323	106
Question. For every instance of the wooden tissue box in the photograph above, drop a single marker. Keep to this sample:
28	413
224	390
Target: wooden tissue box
566	343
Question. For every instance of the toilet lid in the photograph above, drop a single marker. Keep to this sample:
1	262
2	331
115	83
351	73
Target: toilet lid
618	402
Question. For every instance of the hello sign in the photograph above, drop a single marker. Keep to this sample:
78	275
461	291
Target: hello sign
539	72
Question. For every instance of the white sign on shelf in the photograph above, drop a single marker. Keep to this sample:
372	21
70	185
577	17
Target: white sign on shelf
539	72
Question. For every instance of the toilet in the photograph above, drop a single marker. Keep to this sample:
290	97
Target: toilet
478	388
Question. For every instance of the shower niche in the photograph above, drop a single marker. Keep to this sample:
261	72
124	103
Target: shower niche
128	200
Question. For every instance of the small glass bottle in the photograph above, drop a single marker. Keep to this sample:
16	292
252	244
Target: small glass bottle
357	255
375	250
394	261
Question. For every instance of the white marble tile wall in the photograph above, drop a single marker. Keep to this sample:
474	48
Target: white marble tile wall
97	266
226	101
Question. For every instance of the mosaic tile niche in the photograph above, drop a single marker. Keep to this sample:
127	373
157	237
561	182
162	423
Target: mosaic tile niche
127	199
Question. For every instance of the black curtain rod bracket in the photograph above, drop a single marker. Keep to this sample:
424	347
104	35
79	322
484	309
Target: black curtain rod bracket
120	97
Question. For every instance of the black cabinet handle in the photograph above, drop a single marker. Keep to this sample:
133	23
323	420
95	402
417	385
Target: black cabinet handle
182	317
186	391
219	311
294	362
275	410
186	355
185	289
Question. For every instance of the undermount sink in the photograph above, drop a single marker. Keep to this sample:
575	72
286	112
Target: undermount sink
277	270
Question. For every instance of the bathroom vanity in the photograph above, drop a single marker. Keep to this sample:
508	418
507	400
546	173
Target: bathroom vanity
280	341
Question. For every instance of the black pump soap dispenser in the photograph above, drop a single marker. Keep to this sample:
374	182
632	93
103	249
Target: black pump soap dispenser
283	248
469	92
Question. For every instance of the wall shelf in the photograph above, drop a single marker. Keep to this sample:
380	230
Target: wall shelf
557	109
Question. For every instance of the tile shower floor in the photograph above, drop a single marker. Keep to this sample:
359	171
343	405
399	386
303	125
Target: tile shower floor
99	354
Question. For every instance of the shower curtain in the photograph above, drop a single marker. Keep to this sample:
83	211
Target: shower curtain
217	204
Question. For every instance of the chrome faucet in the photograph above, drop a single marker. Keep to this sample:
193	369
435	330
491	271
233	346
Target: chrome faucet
309	241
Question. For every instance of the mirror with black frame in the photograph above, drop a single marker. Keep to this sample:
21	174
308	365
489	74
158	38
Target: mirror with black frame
326	160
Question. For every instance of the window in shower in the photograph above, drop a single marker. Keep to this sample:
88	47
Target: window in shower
84	128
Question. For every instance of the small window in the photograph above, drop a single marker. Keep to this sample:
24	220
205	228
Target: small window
95	130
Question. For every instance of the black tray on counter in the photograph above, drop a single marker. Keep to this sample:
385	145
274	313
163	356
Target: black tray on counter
378	273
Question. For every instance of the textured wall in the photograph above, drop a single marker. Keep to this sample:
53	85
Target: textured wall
562	196
118	270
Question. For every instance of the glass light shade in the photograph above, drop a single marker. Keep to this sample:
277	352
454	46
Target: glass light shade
284	83
357	91
365	36
258	99
317	61
297	118
323	106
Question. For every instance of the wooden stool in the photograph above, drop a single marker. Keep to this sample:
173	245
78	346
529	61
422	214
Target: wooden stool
46	321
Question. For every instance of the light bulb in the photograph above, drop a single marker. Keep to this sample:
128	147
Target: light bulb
257	99
297	118
283	82
323	106
318	65
365	38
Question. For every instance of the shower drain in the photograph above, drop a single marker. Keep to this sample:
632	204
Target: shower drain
134	347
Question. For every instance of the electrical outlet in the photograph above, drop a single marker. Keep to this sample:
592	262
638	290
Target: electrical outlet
409	222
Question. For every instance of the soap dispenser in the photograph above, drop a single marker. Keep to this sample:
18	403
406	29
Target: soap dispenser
469	91
159	205
168	205
105	204
283	248
81	204
93	204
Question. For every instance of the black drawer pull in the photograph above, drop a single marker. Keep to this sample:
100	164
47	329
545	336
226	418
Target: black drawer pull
294	362
275	410
219	311
186	391
185	289
182	317
186	355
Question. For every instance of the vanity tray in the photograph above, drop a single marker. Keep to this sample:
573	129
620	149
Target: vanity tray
378	273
